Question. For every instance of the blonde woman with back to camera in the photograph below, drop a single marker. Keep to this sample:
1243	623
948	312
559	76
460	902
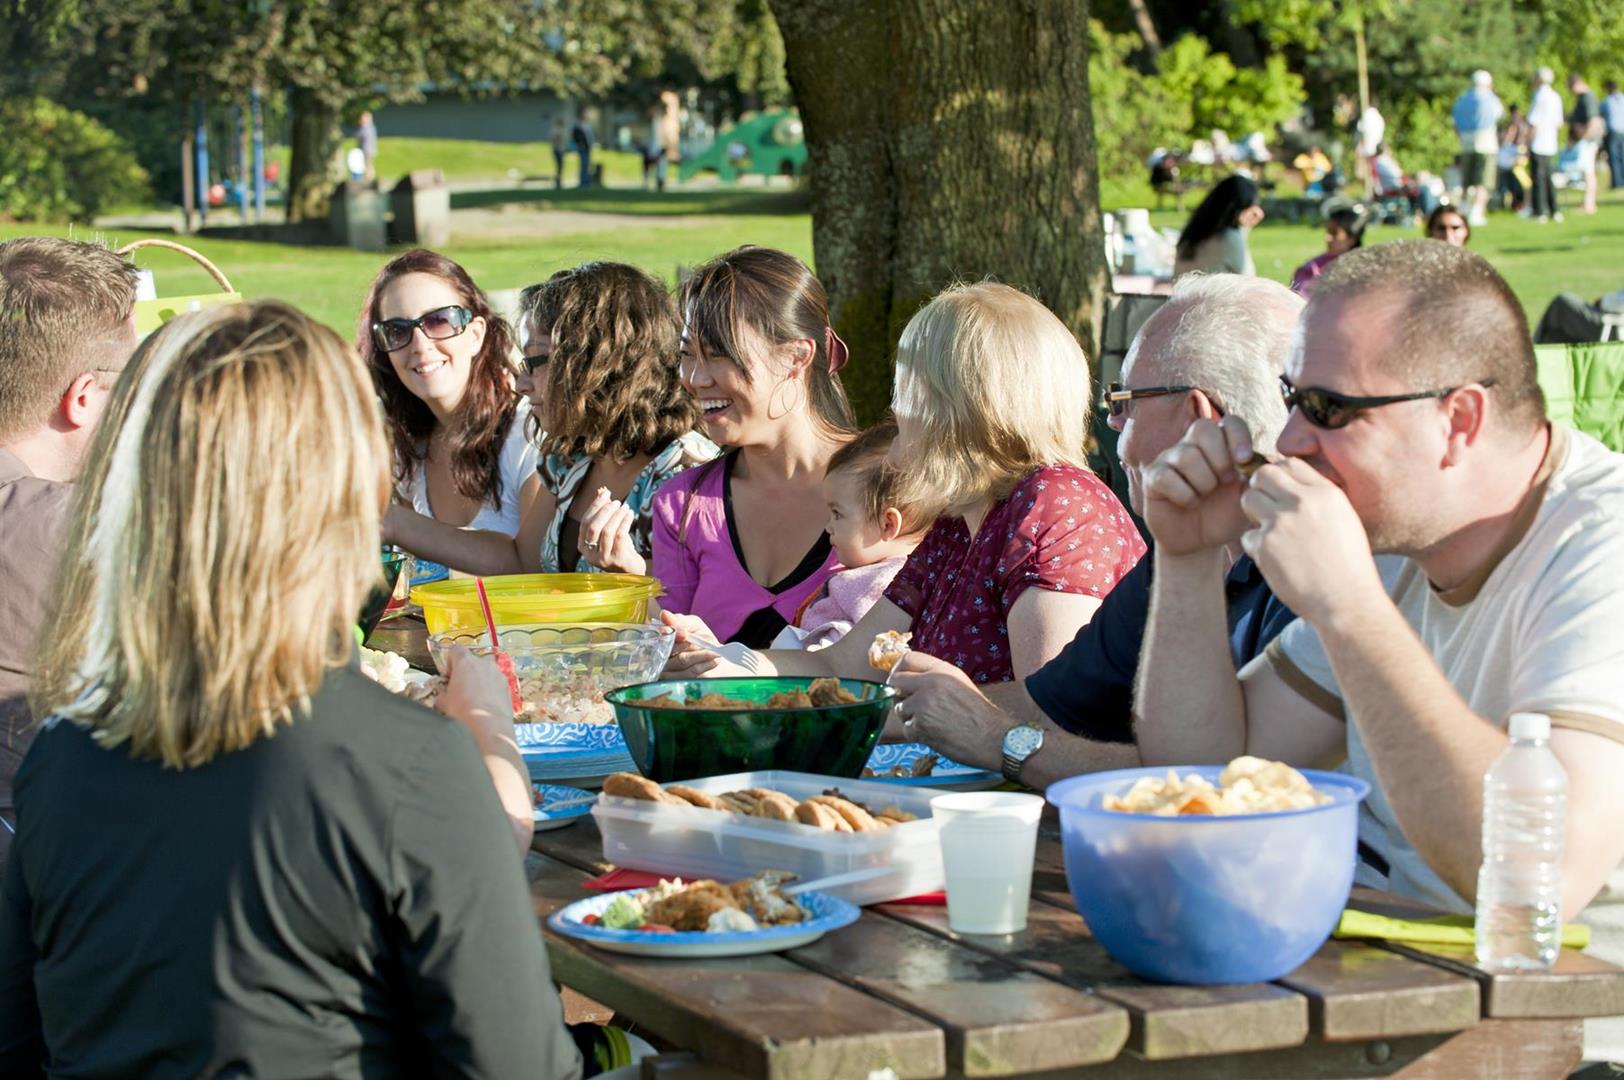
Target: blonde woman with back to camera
992	402
235	853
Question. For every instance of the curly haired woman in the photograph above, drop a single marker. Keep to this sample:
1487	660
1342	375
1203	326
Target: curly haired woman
601	375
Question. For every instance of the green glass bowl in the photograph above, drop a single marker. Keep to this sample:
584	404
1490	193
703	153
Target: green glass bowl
392	563
686	744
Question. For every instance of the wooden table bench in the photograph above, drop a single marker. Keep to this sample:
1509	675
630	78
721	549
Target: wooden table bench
899	994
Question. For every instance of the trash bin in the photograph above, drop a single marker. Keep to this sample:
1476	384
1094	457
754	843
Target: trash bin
422	207
357	216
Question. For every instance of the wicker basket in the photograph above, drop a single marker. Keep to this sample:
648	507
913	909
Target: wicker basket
151	314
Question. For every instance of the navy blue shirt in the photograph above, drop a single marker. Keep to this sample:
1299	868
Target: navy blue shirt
1088	688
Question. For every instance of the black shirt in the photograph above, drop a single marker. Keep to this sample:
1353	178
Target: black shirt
341	899
1088	688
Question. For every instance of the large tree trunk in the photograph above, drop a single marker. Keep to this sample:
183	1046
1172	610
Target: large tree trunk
313	169
947	140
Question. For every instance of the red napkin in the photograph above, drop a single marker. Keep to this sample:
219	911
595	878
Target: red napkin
621	878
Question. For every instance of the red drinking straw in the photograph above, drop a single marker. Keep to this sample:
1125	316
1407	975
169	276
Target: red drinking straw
503	660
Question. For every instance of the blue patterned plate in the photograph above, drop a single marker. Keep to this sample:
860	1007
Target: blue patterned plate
425	572
827	913
561	806
599	737
946	774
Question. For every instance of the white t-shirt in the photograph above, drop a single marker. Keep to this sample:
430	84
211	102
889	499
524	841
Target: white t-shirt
1545	117
517	464
1539	632
1372	129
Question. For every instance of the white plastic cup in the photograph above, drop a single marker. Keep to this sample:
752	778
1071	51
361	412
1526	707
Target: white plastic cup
988	842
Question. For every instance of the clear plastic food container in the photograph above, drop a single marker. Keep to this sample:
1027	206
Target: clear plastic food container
692	842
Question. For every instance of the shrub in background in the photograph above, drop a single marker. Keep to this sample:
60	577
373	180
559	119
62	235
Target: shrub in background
60	165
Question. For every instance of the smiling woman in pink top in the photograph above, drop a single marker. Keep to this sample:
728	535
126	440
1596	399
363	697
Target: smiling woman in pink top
992	402
739	542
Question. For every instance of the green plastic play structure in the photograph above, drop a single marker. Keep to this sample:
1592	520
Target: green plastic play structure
768	144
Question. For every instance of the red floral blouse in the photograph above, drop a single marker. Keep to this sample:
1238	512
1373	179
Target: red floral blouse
1061	529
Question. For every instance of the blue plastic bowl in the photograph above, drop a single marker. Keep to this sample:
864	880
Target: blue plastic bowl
1208	900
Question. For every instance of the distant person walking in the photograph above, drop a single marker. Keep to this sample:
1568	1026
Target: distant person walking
1612	111
583	138
1585	128
366	140
1477	117
670	128
1545	121
561	149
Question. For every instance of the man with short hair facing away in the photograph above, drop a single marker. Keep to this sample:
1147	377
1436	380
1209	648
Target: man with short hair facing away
1417	429
1477	116
66	331
1215	349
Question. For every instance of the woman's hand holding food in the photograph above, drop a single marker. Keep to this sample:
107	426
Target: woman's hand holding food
606	536
476	695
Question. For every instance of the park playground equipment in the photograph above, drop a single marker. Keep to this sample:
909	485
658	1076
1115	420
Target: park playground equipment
767	144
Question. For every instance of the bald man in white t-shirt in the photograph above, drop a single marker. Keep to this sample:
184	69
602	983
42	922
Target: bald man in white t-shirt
1417	430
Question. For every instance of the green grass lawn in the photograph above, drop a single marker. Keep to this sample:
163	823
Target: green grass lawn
331	282
684	226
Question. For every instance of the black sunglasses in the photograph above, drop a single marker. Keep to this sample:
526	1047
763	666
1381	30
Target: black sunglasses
1116	397
437	325
534	363
1331	410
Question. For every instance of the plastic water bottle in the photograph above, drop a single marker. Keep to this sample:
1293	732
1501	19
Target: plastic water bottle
1519	888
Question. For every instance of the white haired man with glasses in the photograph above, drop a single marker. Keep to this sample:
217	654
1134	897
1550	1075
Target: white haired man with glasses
1417	429
1215	349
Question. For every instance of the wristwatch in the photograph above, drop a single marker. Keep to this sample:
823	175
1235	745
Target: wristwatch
1020	743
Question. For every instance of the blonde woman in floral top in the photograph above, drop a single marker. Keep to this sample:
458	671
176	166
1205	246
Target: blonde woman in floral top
613	423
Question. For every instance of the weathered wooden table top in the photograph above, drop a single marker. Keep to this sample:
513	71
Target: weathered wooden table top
899	991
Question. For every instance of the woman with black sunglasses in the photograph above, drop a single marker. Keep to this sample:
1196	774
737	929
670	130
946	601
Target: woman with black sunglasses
612	421
438	354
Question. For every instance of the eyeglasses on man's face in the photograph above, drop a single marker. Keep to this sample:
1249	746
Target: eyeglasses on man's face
437	325
1331	410
1116	398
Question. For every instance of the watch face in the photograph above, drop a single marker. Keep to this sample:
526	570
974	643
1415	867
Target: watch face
1021	741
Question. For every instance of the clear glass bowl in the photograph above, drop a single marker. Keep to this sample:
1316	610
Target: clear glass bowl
564	671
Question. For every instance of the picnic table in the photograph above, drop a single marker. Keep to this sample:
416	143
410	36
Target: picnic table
899	991
899	994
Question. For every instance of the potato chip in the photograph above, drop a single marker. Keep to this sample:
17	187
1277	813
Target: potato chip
1248	785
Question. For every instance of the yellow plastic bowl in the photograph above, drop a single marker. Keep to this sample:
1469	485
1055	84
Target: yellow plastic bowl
537	599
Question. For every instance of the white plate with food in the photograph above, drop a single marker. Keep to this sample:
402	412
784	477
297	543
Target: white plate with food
624	922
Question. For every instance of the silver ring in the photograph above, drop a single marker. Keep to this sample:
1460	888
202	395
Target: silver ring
590	546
